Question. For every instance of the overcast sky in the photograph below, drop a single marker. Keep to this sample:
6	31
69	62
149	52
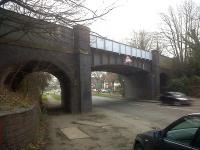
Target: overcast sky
131	15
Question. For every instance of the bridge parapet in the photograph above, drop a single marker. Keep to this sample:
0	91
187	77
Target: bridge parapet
22	30
116	47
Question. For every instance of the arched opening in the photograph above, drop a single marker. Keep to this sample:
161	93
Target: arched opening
163	82
51	94
22	71
134	83
106	84
106	88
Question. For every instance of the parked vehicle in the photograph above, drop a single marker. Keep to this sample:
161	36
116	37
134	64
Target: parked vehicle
94	90
105	90
183	134
175	98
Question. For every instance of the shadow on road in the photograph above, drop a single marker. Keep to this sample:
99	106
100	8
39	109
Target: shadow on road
56	110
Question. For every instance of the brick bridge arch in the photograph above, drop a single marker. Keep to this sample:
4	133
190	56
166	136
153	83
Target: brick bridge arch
20	61
20	71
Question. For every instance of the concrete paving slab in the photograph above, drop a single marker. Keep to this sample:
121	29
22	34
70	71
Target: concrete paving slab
74	133
91	123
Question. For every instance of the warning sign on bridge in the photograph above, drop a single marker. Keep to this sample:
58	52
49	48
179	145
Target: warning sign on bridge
128	60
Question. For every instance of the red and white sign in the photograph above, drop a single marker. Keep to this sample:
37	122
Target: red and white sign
128	60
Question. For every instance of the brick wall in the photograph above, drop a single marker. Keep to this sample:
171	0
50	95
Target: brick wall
18	128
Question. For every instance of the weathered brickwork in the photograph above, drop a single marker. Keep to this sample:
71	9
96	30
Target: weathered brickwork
70	58
18	128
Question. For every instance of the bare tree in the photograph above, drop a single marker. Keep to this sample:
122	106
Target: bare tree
176	25
194	44
147	41
64	12
59	12
141	40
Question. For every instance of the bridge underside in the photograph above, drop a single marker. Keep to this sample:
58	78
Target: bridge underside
138	86
137	83
119	69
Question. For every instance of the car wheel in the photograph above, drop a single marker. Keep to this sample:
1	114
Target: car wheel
177	103
138	146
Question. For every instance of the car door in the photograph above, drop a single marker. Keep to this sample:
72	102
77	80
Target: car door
196	140
169	98
181	135
166	97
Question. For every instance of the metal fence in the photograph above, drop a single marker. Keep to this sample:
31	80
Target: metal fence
113	46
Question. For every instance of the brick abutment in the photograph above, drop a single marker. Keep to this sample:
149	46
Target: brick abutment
18	128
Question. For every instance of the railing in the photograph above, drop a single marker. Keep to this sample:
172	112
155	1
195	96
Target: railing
113	46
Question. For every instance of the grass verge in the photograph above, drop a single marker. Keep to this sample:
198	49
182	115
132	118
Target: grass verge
107	95
44	98
55	96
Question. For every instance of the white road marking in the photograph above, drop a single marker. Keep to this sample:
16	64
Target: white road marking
134	104
166	107
177	108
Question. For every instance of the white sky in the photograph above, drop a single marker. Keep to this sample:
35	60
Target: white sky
131	15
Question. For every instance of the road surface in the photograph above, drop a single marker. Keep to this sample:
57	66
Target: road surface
124	120
148	111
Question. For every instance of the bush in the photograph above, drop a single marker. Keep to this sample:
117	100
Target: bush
29	92
194	81
10	100
194	85
190	86
33	85
179	85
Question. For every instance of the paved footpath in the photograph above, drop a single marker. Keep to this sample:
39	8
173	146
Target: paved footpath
51	102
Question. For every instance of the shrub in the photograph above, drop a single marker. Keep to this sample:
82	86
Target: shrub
33	85
194	81
194	85
29	92
178	84
190	86
10	100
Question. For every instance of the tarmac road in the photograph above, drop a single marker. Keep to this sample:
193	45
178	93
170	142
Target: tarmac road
124	119
150	111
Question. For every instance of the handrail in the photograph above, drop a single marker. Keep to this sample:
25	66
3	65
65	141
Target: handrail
117	47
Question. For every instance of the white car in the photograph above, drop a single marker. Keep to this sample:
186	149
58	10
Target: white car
104	91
